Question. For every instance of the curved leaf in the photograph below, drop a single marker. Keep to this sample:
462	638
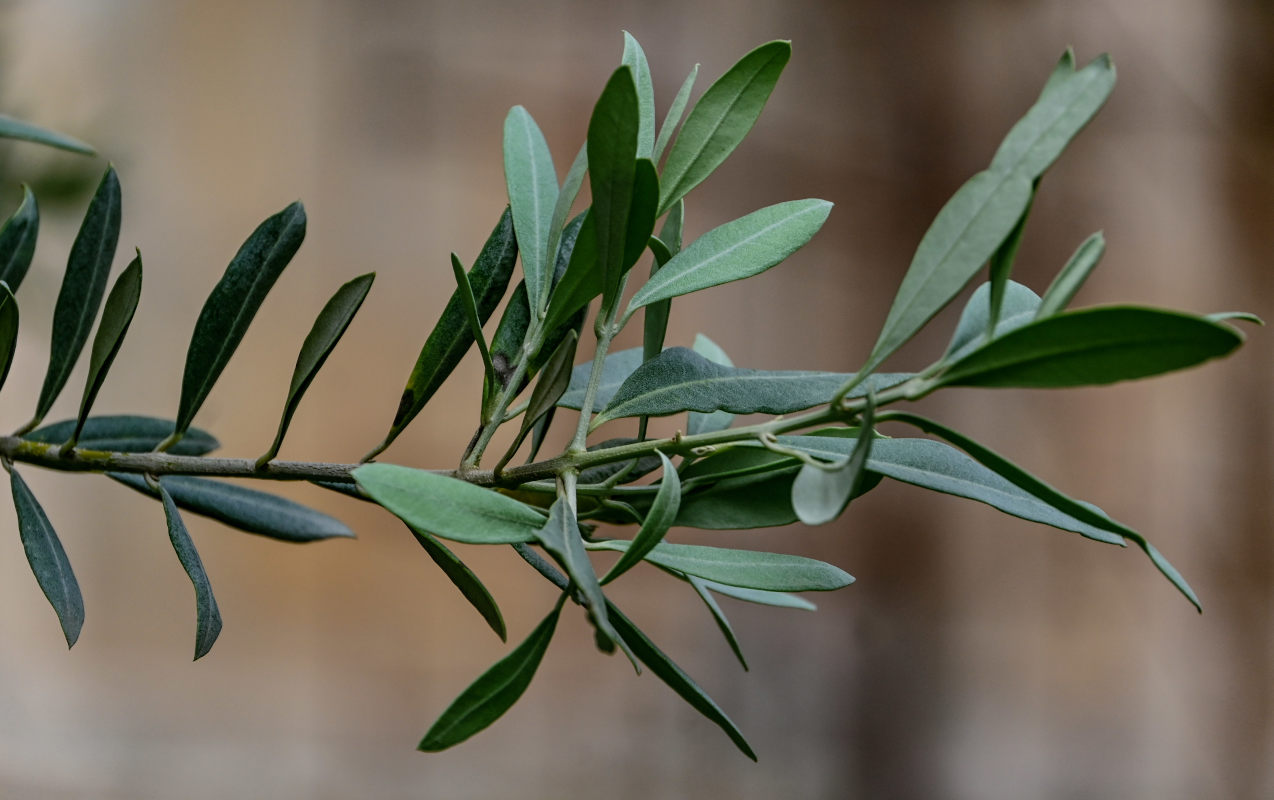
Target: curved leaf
758	596
751	569
658	520
723	622
616	368
8	331
560	535
464	579
673	117
819	495
1068	282
532	184
11	128
635	59
125	434
207	615
1018	308
17	240
48	560
117	315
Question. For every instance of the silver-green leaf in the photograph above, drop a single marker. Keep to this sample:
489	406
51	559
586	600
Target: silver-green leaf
11	128
1068	282
532	185
775	572
635	59
560	535
662	513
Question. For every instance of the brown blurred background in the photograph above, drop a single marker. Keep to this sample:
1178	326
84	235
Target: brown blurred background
978	656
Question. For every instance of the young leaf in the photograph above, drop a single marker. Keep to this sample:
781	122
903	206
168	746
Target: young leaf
328	328
635	59
612	165
820	495
82	288
233	303
532	185
8	331
676	679
17	240
470	306
464	579
675	111
776	599
1017	309
48	559
1001	265
655	322
1068	282
720	120
559	233
246	509
494	692
740	249
561	537
448	507
207	616
658	520
615	370
773	572
125	434
723	622
717	420
116	317
11	128
1093	346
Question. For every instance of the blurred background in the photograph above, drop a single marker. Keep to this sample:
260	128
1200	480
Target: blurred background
978	656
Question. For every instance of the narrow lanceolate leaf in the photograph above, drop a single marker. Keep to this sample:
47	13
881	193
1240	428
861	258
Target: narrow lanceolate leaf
558	229
48	559
1018	307
1225	316
819	495
1093	346
615	370
773	572
8	331
82	288
510	335
449	507
582	280
1001	265
17	240
723	622
635	59
125	434
233	303
543	402
655	319
682	380
612	164
532	185
328	328
470	306
720	120
494	692
776	599
677	680
1068	282
207	616
11	128
740	249
117	315
717	420
1065	106
561	537
246	509
464	579
673	117
1084	512
968	229
658	520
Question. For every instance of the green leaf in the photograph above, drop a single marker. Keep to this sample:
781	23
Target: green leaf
582	280
1001	265
48	559
1093	346
233	303
559	233
722	117
615	370
1017	309
1084	512
966	232
8	331
677	680
1063	70
658	520
470	306
494	692
1068	282
776	599
561	537
17	240
246	509
82	288
328	328
207	616
464	579
612	165
675	111
682	380
751	569
717	420
543	401
740	249
655	322
125	434
819	495
117	315
532	185
510	335
723	622
635	59
1226	316
637	468
641	213
11	128
449	507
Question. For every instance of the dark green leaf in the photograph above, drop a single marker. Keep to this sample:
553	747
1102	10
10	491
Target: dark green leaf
553	381
559	232
1068	282
510	335
655	322
494	692
532	184
773	572
561	537
615	370
246	509
557	333
641	214
17	240
116	317
720	120
635	59
658	520
464	579
612	164
717	420
233	303
470	306
1017	309
11	128
675	111
48	559
777	599
449	507
582	281
819	495
328	328
207	616
125	434
8	331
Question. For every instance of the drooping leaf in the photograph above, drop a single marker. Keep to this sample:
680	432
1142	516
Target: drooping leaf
615	370
717	420
1093	346
82	288
207	615
243	508
612	165
658	520
125	434
720	119
775	572
494	692
635	59
232	304
1068	282
464	580
448	507
48	560
819	495
561	537
673	117
117	315
1018	308
328	328
758	596
8	331
532	184
655	321
17	240
740	249
11	128
677	680
723	622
